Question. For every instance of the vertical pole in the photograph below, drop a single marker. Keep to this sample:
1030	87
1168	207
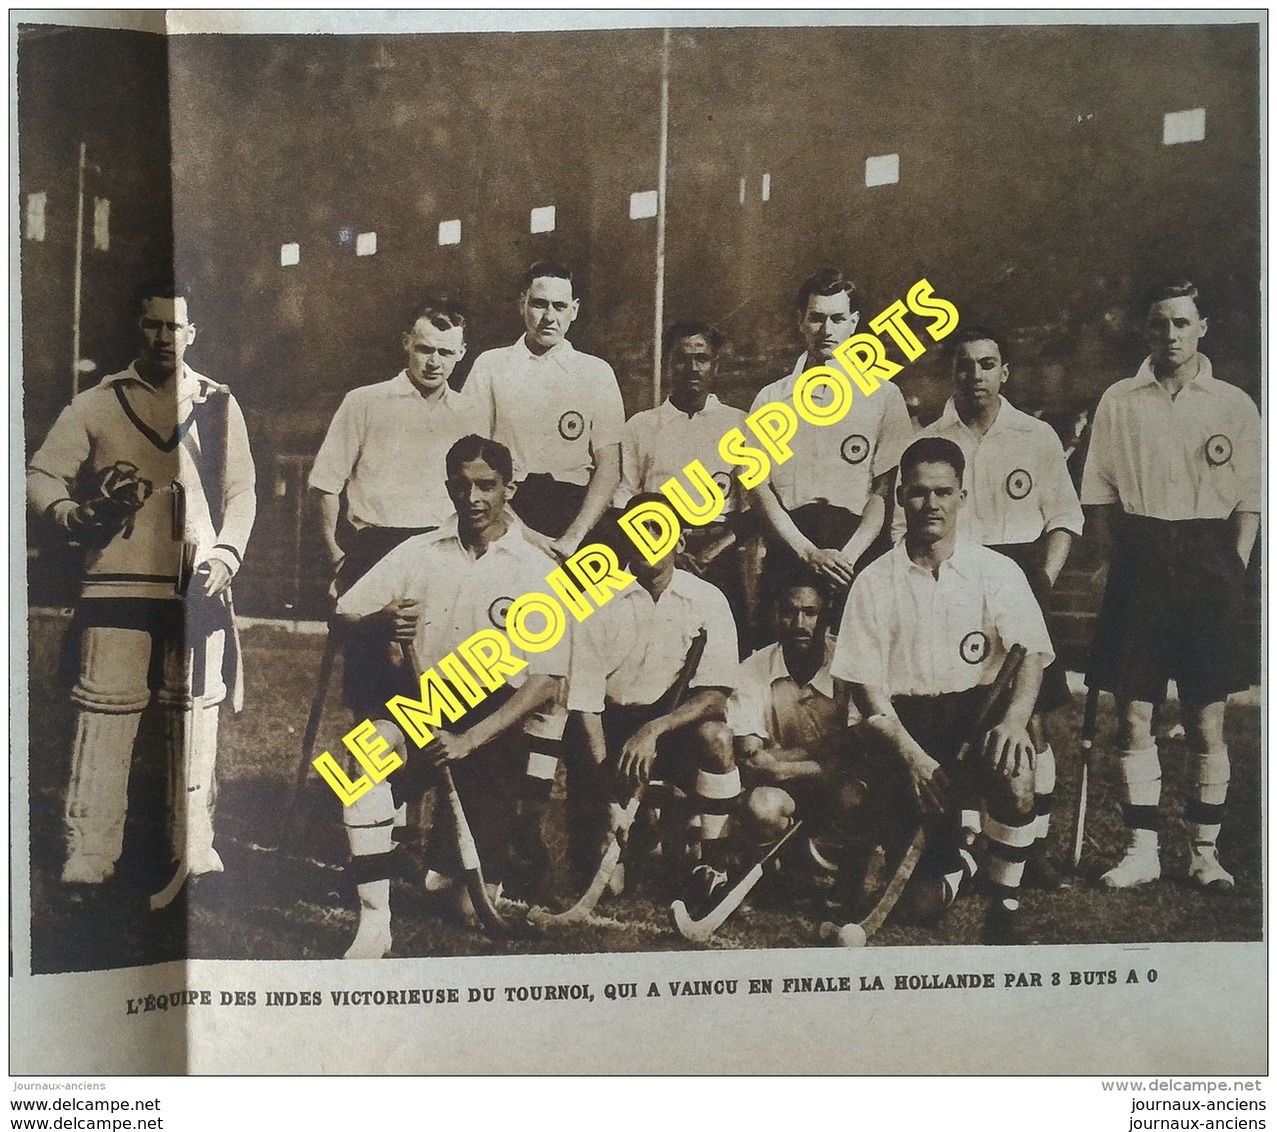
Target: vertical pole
662	173
79	270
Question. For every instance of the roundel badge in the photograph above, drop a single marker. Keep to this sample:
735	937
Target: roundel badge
724	481
855	449
1019	484
571	425
974	647
499	610
1219	450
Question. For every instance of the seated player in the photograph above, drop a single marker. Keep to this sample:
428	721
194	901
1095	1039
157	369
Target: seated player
435	590
625	659
788	717
926	628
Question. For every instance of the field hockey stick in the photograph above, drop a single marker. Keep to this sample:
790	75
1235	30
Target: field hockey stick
856	934
332	646
492	921
618	837
699	931
1089	715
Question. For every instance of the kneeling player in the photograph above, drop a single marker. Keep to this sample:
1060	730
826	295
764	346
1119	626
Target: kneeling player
926	628
435	591
788	717
625	660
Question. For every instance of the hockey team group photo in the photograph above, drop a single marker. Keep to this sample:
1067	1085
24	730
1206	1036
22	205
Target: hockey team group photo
640	490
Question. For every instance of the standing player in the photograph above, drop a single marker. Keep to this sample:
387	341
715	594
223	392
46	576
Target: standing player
557	410
166	517
385	448
436	590
625	659
1021	502
384	455
926	627
1173	473
824	507
657	444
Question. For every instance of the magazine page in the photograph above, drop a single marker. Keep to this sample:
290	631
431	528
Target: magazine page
721	544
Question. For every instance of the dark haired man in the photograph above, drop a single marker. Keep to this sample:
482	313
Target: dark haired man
926	628
788	717
625	659
163	540
559	412
1173	478
657	444
824	507
1021	502
436	590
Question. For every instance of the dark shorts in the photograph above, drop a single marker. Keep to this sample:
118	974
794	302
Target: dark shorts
829	528
677	755
547	505
1172	611
1028	556
940	725
369	678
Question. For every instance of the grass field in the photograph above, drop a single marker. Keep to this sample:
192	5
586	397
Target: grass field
299	903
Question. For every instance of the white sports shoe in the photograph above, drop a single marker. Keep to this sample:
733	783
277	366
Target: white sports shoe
438	882
204	859
1205	871
1140	865
372	940
84	868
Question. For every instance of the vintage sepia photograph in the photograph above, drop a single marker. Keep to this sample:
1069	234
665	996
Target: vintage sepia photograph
721	496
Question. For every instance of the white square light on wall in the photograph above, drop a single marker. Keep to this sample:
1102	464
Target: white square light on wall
542	219
882	170
101	224
449	232
767	186
36	205
290	255
643	205
366	243
1181	126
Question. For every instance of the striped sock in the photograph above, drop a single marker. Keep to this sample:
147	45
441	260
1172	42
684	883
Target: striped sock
1009	844
1043	791
1142	779
716	795
1208	776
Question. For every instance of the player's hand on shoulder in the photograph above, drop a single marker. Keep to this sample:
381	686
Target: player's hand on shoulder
1008	749
564	547
401	618
448	748
831	564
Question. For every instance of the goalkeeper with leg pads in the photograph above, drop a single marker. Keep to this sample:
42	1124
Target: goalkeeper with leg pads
150	472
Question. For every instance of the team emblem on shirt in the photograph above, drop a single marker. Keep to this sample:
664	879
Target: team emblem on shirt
974	647
1219	450
724	481
855	448
499	610
1019	484
571	425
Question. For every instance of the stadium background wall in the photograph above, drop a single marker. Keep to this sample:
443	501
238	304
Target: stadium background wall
1034	191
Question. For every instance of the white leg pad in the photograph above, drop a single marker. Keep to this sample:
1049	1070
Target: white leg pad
97	797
